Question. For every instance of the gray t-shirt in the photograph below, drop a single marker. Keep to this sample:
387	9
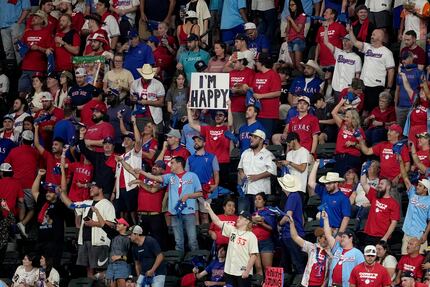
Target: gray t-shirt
120	245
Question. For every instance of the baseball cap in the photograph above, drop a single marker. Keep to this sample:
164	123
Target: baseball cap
122	221
161	164
46	96
28	135
129	135
174	133
99	107
132	34
200	66
396	128
192	37
191	14
136	230
304	98
5	167
423	135
246	214
347	37
94	16
199	137
241	37
95	183
8	117
249	26
370	250
259	133
67	74
154	39
54	75
108	140
406	54
408	274
425	182
80	72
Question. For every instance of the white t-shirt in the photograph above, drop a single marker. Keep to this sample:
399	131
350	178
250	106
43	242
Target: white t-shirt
390	262
17	124
298	157
415	23
241	245
361	199
155	90
4	84
347	65
376	63
54	277
379	5
126	4
134	159
250	56
22	276
255	164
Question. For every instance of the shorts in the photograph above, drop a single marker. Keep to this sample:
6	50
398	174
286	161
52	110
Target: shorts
296	45
127	200
405	241
266	246
29	199
117	270
380	19
95	257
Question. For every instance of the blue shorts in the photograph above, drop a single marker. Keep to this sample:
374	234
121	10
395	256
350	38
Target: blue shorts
117	270
266	246
297	45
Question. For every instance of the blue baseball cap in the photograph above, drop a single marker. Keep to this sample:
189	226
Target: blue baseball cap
154	39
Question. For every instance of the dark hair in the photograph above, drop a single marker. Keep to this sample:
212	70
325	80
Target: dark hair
411	33
223	246
43	2
105	3
263	195
266	60
244	61
23	102
386	247
223	46
227	200
49	264
31	256
175	77
361	7
333	11
7	173
256	109
180	160
28	119
299	9
67	16
317	97
284	70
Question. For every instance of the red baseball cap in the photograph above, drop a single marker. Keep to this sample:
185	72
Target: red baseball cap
396	128
101	108
189	280
122	221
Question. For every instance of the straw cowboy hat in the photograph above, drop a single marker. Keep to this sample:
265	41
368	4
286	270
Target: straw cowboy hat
147	71
42	15
331	177
314	65
289	183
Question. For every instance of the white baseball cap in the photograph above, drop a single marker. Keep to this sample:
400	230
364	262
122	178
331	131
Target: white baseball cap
260	134
80	72
425	182
28	135
5	167
370	250
249	26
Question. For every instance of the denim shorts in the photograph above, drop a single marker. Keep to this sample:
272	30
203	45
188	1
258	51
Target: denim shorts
266	246
117	270
297	45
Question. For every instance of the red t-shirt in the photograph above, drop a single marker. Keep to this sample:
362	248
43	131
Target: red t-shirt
169	154
345	91
82	173
419	54
246	76
266	83
305	127
87	112
36	60
63	58
390	168
220	239
387	116
413	264
52	164
11	190
24	161
347	188
260	232
148	201
52	23
419	115
344	135
151	145
100	131
375	276
336	32
423	155
57	114
382	212
216	142
78	21
88	49
336	277
292	33
317	274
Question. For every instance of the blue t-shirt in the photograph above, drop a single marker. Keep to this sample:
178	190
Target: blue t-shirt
203	165
81	95
294	203
417	214
230	16
65	130
10	13
189	58
5	146
136	57
216	270
413	77
179	185
348	260
244	137
299	87
259	44
338	205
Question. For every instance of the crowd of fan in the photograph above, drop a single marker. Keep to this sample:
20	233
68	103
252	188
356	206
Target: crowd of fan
130	163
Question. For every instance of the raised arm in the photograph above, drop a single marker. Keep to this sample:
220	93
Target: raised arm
36	184
359	45
327	230
214	217
419	164
126	166
404	174
37	144
335	113
193	123
293	232
312	180
364	184
326	42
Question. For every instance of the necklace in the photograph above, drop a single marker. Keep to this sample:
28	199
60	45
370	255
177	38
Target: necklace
369	269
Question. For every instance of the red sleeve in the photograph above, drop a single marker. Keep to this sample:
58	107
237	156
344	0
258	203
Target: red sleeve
387	279
400	263
153	145
250	78
301	19
405	154
204	131
377	149
76	40
342	30
212	226
371	195
276	82
315	126
395	212
45	155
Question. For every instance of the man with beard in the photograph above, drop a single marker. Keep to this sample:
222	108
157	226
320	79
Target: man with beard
188	132
18	114
416	224
82	92
87	109
101	130
337	204
65	7
94	23
97	43
192	55
53	115
255	168
52	159
384	211
172	148
308	84
345	255
67	44
47	7
93	242
369	272
8	130
50	219
206	166
251	125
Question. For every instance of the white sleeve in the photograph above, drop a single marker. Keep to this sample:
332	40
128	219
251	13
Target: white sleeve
107	211
358	65
271	166
366	46
135	3
113	27
205	11
240	165
389	60
227	229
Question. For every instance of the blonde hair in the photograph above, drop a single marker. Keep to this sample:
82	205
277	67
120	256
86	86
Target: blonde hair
355	118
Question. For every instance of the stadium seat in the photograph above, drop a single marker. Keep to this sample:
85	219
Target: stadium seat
277	150
81	282
172	281
326	150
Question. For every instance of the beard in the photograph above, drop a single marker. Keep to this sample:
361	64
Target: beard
380	194
97	120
